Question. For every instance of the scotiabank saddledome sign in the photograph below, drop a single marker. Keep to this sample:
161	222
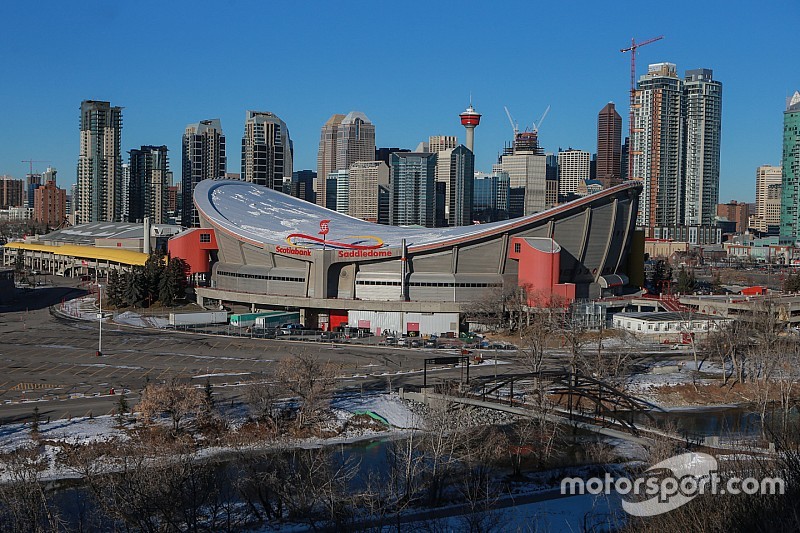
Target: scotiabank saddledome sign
351	246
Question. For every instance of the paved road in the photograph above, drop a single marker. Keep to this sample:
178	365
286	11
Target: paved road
50	362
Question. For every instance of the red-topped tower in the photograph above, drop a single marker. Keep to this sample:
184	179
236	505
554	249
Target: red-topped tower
470	119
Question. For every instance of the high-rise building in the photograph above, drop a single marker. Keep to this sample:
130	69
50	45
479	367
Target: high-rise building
382	154
355	140
203	157
623	161
344	140
72	203
266	150
50	205
490	197
737	212
172	202
332	191
790	191
551	181
342	190
609	146
439	143
326	156
767	176
675	146
149	181
49	175
126	193
100	163
11	192
656	145
459	184
302	185
366	179
573	168
412	189
527	172
32	182
702	115
772	210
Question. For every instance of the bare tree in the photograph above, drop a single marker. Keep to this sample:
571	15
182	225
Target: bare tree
24	505
311	381
174	399
262	401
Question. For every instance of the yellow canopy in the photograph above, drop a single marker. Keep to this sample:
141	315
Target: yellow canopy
125	257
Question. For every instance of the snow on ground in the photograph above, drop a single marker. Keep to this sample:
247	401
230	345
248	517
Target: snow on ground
84	308
490	362
627	449
76	431
129	318
389	406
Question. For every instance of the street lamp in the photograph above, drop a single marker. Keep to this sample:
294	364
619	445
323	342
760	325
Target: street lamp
100	317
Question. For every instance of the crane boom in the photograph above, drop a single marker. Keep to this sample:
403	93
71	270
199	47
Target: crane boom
32	161
514	125
538	125
632	49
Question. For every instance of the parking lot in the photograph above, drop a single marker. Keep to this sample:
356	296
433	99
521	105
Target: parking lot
51	363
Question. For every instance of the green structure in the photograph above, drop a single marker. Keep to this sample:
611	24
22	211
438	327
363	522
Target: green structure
790	199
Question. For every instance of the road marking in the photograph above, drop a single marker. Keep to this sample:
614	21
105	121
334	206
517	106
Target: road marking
32	386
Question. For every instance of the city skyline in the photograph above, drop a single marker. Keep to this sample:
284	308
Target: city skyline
155	114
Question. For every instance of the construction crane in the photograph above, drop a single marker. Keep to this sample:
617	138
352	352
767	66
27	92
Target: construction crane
514	125
632	49
32	161
537	125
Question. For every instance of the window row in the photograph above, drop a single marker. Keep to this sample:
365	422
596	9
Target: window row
430	284
257	276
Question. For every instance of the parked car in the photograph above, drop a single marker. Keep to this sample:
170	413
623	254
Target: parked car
390	341
288	329
415	343
402	341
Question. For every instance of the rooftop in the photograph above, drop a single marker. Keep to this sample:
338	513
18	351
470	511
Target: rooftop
262	216
663	316
87	233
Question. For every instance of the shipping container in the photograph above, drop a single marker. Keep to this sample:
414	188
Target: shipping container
277	319
245	320
197	319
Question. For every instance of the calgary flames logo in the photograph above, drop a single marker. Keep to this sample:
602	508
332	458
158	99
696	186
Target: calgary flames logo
350	242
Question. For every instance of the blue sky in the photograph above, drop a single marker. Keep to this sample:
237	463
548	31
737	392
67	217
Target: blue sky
410	66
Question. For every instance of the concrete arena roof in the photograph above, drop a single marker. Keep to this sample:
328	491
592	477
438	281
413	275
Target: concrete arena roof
261	216
125	257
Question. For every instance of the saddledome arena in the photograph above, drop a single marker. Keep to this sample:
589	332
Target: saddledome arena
263	248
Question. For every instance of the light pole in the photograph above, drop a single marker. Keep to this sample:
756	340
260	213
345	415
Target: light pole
100	317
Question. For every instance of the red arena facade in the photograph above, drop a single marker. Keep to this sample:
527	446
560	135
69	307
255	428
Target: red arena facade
268	250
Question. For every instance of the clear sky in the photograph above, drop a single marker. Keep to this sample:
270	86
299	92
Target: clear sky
410	66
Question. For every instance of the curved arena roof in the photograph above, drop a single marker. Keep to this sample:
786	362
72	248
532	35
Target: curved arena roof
263	216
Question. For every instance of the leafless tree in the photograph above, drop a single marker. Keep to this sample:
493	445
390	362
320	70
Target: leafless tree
311	381
262	401
174	399
24	505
